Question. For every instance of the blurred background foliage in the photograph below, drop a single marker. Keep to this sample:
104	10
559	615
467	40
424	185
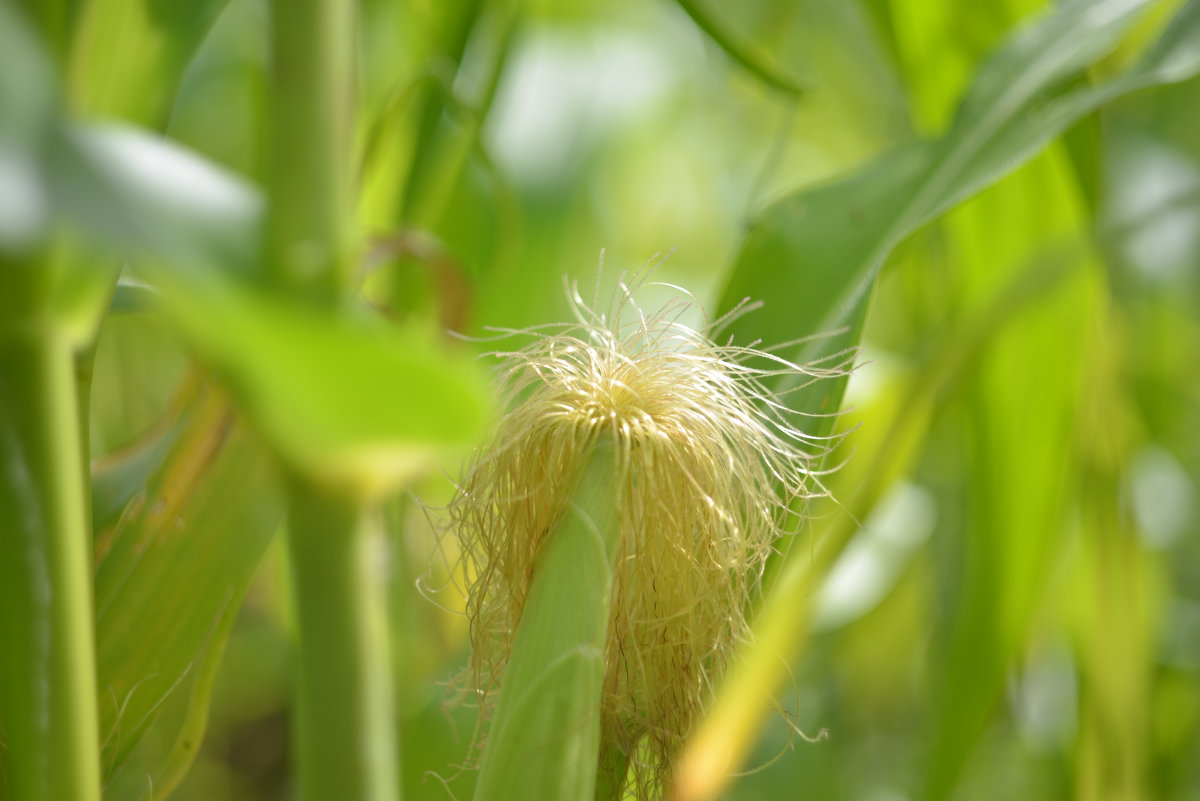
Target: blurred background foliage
1015	612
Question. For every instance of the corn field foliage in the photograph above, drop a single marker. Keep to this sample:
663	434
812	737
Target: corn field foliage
253	256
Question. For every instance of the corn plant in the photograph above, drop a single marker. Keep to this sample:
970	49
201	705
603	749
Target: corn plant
637	542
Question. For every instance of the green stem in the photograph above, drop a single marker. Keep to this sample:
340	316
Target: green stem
47	653
84	362
545	737
344	737
311	169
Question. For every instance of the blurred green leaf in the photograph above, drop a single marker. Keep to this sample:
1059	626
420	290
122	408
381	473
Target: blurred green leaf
1020	436
901	420
28	93
132	295
351	403
819	251
452	29
1114	720
118	479
186	745
184	549
446	106
743	52
119	186
140	193
128	56
1022	403
832	241
28	105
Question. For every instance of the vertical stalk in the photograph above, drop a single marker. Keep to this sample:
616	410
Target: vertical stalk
344	732
545	738
344	736
311	186
47	654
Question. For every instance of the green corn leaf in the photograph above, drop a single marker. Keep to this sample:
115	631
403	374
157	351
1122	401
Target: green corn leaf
141	194
128	56
351	403
173	766
28	93
132	295
1114	571
742	52
117	480
28	107
124	192
820	250
184	549
1013	529
116	185
544	740
900	423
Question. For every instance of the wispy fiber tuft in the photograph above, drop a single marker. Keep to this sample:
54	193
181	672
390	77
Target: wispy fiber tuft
710	465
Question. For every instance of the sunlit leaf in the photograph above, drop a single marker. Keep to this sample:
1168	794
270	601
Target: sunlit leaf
129	55
816	254
350	402
901	419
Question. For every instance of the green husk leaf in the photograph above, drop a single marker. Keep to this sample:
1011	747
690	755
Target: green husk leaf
545	736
